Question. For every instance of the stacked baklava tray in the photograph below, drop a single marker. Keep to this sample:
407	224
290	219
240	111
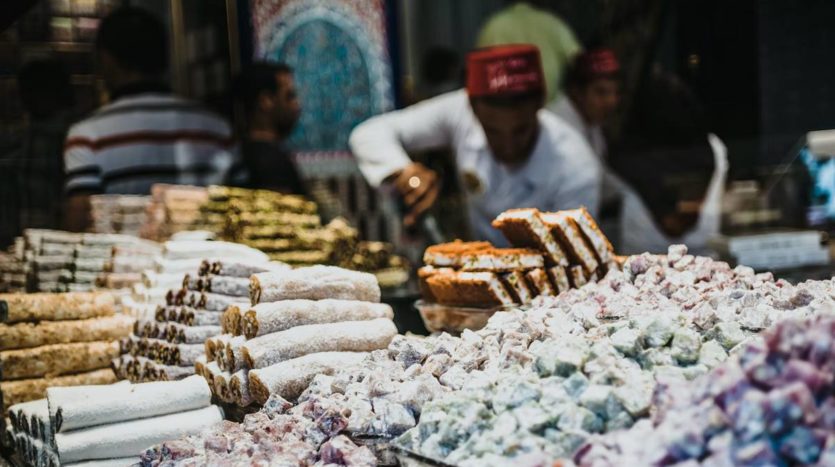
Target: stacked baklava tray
552	252
57	340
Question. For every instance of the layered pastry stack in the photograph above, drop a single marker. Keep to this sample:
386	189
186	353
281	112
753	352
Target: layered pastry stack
172	209
300	323
286	227
553	252
122	214
57	340
109	425
165	346
57	261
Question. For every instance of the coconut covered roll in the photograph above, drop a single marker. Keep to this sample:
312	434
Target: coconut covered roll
239	268
314	283
351	336
239	388
182	334
290	378
266	318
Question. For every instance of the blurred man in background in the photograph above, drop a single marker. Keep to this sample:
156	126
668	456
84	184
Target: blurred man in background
271	104
592	87
509	152
521	22
146	135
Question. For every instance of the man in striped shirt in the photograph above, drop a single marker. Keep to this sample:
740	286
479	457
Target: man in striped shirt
146	135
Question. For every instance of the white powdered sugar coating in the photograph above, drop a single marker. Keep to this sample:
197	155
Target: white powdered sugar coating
351	336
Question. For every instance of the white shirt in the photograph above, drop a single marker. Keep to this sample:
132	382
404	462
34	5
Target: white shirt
562	172
142	139
564	108
639	232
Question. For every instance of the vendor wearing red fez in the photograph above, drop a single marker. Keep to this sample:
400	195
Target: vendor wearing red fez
510	152
592	90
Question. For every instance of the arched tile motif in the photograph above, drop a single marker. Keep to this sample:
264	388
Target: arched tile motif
338	49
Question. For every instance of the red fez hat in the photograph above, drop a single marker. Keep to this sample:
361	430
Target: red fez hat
597	62
504	70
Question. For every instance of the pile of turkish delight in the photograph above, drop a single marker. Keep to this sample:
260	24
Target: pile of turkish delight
280	434
536	385
773	405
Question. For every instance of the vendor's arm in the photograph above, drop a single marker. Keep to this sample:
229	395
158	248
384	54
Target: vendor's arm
381	144
83	179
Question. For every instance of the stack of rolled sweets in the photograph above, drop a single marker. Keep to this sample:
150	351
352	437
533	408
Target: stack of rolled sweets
173	208
192	315
126	263
113	424
57	340
180	257
300	323
30	430
122	214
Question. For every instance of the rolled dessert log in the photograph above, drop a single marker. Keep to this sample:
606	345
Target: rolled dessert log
266	318
139	401
314	283
350	336
182	354
57	359
192	317
239	388
232	358
29	389
231	320
187	249
212	371
56	397
214	344
148	328
239	268
224	285
15	308
25	335
168	353
20	415
222	387
129	438
200	366
155	371
182	334
216	302
290	378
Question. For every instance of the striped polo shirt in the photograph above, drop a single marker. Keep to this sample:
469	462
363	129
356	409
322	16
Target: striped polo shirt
146	138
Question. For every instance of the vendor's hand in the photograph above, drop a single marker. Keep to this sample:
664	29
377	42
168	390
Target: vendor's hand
419	186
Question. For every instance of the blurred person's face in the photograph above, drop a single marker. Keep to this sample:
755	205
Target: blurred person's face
286	108
511	131
598	100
